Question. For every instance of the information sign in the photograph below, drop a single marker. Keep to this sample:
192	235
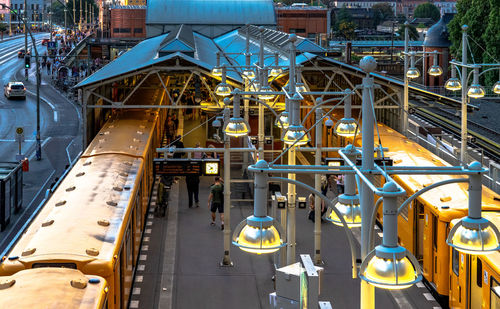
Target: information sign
187	167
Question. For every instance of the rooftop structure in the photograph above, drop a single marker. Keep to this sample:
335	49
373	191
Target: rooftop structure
209	18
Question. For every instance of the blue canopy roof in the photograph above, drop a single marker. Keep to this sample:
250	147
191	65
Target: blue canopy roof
200	51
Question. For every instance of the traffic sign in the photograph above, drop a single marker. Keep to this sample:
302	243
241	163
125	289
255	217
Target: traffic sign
19	130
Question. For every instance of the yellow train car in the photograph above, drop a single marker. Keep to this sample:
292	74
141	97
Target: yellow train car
424	225
475	279
94	220
55	288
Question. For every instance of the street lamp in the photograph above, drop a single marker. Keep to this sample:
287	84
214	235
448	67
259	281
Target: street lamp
259	233
412	72
347	126
348	202
389	265
223	89
435	69
453	83
475	90
236	126
474	234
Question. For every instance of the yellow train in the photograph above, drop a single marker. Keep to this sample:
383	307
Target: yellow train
56	288
424	225
94	220
475	280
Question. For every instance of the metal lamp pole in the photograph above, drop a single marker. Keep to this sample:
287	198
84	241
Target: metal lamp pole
50	16
405	79
226	261
25	34
367	300
463	132
317	186
261	72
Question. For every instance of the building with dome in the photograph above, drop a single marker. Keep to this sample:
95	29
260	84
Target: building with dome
437	39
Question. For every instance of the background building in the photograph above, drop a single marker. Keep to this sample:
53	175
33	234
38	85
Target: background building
306	21
128	21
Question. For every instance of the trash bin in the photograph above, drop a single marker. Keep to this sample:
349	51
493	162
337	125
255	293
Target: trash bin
26	164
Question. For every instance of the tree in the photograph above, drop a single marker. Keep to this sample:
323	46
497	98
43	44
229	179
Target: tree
427	10
342	16
382	12
412	32
483	21
346	29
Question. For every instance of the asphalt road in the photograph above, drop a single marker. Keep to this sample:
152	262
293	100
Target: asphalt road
59	123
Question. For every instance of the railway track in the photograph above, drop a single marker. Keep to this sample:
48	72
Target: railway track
445	120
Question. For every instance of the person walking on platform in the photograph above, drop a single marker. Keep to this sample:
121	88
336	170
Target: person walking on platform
216	201
193	187
161	198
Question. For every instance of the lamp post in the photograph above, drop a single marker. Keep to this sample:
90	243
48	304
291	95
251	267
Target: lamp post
38	149
463	127
317	186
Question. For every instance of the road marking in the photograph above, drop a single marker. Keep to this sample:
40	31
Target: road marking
141	267
139	278
146	239
13	140
145	248
56	116
150	216
149	223
429	297
143	257
43	145
136	291
134	304
148	231
420	285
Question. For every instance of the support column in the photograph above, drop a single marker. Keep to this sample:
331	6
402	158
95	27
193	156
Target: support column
317	186
290	232
226	261
463	132
404	126
367	299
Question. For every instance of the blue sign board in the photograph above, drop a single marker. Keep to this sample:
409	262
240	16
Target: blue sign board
51	45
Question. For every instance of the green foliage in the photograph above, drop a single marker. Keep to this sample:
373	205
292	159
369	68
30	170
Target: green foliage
382	12
421	26
346	29
427	10
412	32
342	16
483	21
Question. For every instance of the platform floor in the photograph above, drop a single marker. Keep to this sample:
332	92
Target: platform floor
179	262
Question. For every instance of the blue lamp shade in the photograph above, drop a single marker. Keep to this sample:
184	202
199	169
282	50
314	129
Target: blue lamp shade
236	127
453	84
296	135
474	236
349	208
258	235
476	91
223	90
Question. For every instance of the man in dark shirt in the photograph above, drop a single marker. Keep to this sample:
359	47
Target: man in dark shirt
178	145
216	201
193	187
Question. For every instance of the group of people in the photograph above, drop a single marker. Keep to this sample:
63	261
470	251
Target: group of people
331	187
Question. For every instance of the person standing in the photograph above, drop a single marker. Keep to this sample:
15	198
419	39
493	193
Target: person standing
193	187
216	201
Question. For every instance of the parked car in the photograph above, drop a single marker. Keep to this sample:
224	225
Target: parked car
45	41
15	89
21	53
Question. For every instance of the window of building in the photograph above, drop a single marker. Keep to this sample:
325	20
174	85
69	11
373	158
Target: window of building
137	30
125	30
297	30
116	30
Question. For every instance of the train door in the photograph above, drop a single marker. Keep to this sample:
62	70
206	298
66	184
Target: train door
419	231
428	245
494	294
476	282
455	291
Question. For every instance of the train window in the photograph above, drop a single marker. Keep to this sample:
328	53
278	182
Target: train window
56	265
455	263
479	272
434	231
494	294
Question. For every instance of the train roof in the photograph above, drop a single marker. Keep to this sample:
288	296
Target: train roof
126	133
84	217
52	288
447	200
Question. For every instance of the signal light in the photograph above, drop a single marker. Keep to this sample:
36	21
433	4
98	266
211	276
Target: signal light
27	62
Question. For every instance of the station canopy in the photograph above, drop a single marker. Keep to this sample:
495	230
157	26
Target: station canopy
185	44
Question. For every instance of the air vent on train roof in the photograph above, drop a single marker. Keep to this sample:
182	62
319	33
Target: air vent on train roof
60	203
445	199
111	203
6	283
48	223
103	222
118	189
80	174
87	163
92	251
28	251
79	283
72	188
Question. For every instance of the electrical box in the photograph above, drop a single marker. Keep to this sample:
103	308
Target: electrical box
301	202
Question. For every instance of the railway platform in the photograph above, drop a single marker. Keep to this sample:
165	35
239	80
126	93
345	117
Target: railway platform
179	260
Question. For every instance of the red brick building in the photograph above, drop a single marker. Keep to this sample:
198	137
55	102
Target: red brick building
128	21
306	21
